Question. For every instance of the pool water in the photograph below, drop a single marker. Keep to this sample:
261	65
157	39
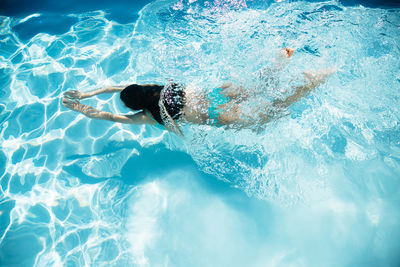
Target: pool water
318	187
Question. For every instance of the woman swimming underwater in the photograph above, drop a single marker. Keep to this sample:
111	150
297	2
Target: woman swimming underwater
166	104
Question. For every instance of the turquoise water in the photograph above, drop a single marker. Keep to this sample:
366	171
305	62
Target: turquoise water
318	187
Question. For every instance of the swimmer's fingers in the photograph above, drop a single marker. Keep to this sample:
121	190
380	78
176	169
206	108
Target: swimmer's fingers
69	103
72	104
73	94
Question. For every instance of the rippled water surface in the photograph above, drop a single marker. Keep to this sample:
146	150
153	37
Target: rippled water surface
318	187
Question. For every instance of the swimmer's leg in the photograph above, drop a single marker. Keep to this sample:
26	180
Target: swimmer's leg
277	109
311	82
269	75
229	113
75	94
240	93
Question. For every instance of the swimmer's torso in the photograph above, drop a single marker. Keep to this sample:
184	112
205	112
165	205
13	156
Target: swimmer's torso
195	109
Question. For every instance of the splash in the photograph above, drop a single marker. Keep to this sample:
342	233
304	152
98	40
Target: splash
294	154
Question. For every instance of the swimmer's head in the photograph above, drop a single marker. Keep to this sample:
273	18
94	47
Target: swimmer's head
140	97
132	97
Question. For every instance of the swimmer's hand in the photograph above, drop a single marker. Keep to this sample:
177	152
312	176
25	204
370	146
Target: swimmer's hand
74	94
72	104
84	109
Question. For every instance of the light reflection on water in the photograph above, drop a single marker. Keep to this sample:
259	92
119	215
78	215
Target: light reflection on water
322	183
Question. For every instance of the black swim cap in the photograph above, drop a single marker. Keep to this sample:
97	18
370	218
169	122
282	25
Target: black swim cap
133	97
141	97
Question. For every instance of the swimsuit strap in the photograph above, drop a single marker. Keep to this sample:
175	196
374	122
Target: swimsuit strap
169	122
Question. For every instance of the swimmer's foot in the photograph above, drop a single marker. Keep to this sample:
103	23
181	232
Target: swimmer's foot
282	58
319	78
288	52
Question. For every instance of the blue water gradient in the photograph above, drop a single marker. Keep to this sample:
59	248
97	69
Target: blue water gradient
318	187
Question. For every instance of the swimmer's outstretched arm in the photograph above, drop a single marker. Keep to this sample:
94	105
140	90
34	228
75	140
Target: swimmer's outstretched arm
75	94
137	118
